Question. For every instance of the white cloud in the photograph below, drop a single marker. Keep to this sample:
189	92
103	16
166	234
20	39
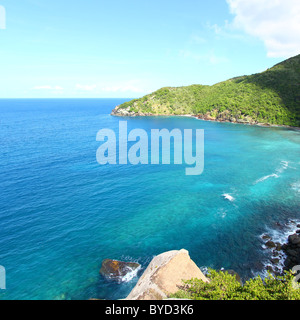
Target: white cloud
114	88
42	87
275	22
86	87
226	31
211	58
58	88
2	18
46	87
194	38
123	88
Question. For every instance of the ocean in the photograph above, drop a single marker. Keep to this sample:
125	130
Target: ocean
62	214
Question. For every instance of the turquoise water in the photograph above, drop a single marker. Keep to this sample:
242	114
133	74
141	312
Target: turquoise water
61	213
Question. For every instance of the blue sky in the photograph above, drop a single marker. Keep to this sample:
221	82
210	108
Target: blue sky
119	48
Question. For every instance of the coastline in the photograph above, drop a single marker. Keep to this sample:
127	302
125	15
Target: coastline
282	246
279	245
127	113
265	125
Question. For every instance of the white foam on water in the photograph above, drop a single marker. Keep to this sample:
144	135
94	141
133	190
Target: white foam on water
267	177
222	212
130	274
278	236
227	196
283	166
296	186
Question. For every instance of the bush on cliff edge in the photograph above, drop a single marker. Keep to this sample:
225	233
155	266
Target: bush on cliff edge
224	286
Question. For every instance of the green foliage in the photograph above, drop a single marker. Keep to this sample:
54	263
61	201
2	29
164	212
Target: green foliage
224	286
271	97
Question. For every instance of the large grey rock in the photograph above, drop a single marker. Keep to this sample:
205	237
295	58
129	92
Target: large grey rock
164	276
294	239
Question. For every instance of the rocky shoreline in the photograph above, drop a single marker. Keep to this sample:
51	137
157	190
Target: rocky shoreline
224	116
246	120
164	274
127	112
284	255
162	277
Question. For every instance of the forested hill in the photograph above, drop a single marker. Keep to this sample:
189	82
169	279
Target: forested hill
272	97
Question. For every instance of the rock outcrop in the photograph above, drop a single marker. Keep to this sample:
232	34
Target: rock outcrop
226	116
292	250
286	255
117	270
128	112
164	276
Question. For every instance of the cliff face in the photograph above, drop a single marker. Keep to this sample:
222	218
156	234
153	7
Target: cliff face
164	276
271	97
128	112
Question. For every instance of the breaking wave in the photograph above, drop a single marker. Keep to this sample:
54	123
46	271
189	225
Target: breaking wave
267	177
132	273
283	166
227	196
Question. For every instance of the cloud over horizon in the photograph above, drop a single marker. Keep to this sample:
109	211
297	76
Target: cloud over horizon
86	87
47	87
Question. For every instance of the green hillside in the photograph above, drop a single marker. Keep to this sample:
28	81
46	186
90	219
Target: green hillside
272	97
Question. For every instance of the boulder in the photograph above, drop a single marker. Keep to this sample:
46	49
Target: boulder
274	260
270	244
294	239
266	237
292	252
164	276
117	270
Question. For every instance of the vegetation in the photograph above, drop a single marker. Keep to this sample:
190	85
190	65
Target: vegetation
224	286
272	96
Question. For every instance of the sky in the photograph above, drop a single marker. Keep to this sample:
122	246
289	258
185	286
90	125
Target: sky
129	48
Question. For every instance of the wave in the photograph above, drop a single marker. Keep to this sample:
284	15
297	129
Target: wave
267	177
132	273
296	186
283	166
227	196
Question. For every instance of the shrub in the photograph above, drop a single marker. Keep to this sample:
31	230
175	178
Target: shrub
224	286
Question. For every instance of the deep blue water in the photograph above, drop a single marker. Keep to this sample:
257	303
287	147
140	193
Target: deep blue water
61	213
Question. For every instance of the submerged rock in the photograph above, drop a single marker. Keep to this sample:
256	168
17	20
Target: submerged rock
270	244
266	237
118	270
